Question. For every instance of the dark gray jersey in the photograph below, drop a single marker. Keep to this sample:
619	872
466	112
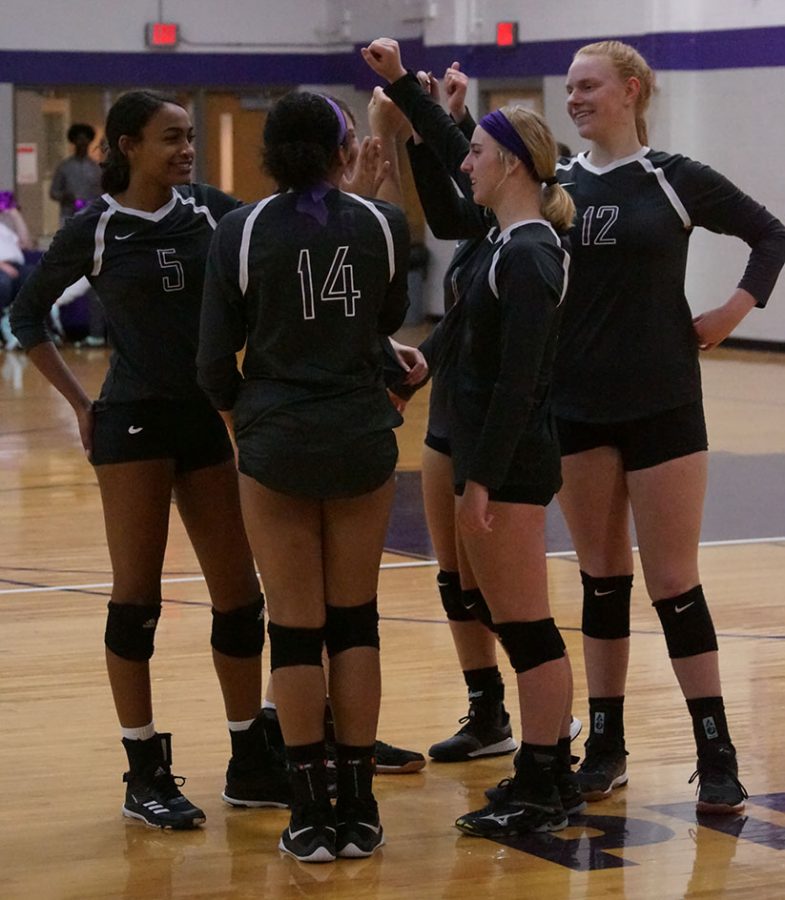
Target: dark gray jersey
627	347
499	392
308	303
148	270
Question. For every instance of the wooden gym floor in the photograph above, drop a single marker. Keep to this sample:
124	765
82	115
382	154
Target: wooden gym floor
61	833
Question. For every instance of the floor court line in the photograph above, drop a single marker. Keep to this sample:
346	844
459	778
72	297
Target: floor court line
405	619
407	564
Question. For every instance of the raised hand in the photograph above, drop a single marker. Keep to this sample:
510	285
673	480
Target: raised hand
384	118
384	56
455	85
369	170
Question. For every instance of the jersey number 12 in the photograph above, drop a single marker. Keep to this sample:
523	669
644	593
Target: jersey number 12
597	222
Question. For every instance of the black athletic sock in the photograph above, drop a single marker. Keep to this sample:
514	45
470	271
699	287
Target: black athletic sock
307	768
355	766
564	754
606	722
709	725
485	685
536	768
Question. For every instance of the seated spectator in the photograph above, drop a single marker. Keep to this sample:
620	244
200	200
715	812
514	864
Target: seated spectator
14	240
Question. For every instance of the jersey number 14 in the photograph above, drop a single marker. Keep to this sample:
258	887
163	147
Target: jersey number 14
338	285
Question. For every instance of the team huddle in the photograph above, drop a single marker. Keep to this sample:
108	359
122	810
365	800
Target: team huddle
565	365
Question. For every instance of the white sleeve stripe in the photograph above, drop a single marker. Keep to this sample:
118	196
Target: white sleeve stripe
565	283
245	243
385	226
492	273
565	264
669	192
199	209
100	240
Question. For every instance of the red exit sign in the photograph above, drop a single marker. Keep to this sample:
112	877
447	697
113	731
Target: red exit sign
506	34
161	35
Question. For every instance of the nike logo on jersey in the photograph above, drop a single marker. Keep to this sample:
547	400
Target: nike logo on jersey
135	429
602	593
567	183
123	237
680	609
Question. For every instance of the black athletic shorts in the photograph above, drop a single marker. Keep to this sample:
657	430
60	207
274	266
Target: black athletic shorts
535	495
318	472
190	432
642	443
439	444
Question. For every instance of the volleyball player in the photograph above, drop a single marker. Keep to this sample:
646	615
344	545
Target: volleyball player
151	434
485	730
371	171
435	162
306	281
498	342
627	394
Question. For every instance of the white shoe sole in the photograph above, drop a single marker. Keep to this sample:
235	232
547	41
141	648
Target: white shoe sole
320	855
595	796
130	814
253	804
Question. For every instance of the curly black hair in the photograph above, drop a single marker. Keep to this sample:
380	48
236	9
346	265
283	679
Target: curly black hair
300	140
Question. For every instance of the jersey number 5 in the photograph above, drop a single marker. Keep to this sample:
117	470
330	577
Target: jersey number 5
174	279
338	285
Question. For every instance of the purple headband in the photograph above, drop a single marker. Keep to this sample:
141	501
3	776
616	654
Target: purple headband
339	115
501	130
311	200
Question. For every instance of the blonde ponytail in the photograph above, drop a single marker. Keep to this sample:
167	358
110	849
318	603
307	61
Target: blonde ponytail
556	204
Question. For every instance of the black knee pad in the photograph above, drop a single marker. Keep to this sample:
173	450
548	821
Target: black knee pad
351	626
294	646
474	602
687	625
606	606
130	630
240	632
449	584
530	644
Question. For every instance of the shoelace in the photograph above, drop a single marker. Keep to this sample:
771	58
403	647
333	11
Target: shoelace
505	787
716	769
474	713
169	785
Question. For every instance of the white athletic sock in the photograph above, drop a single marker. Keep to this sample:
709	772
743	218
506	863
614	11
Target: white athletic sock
240	726
139	734
268	704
